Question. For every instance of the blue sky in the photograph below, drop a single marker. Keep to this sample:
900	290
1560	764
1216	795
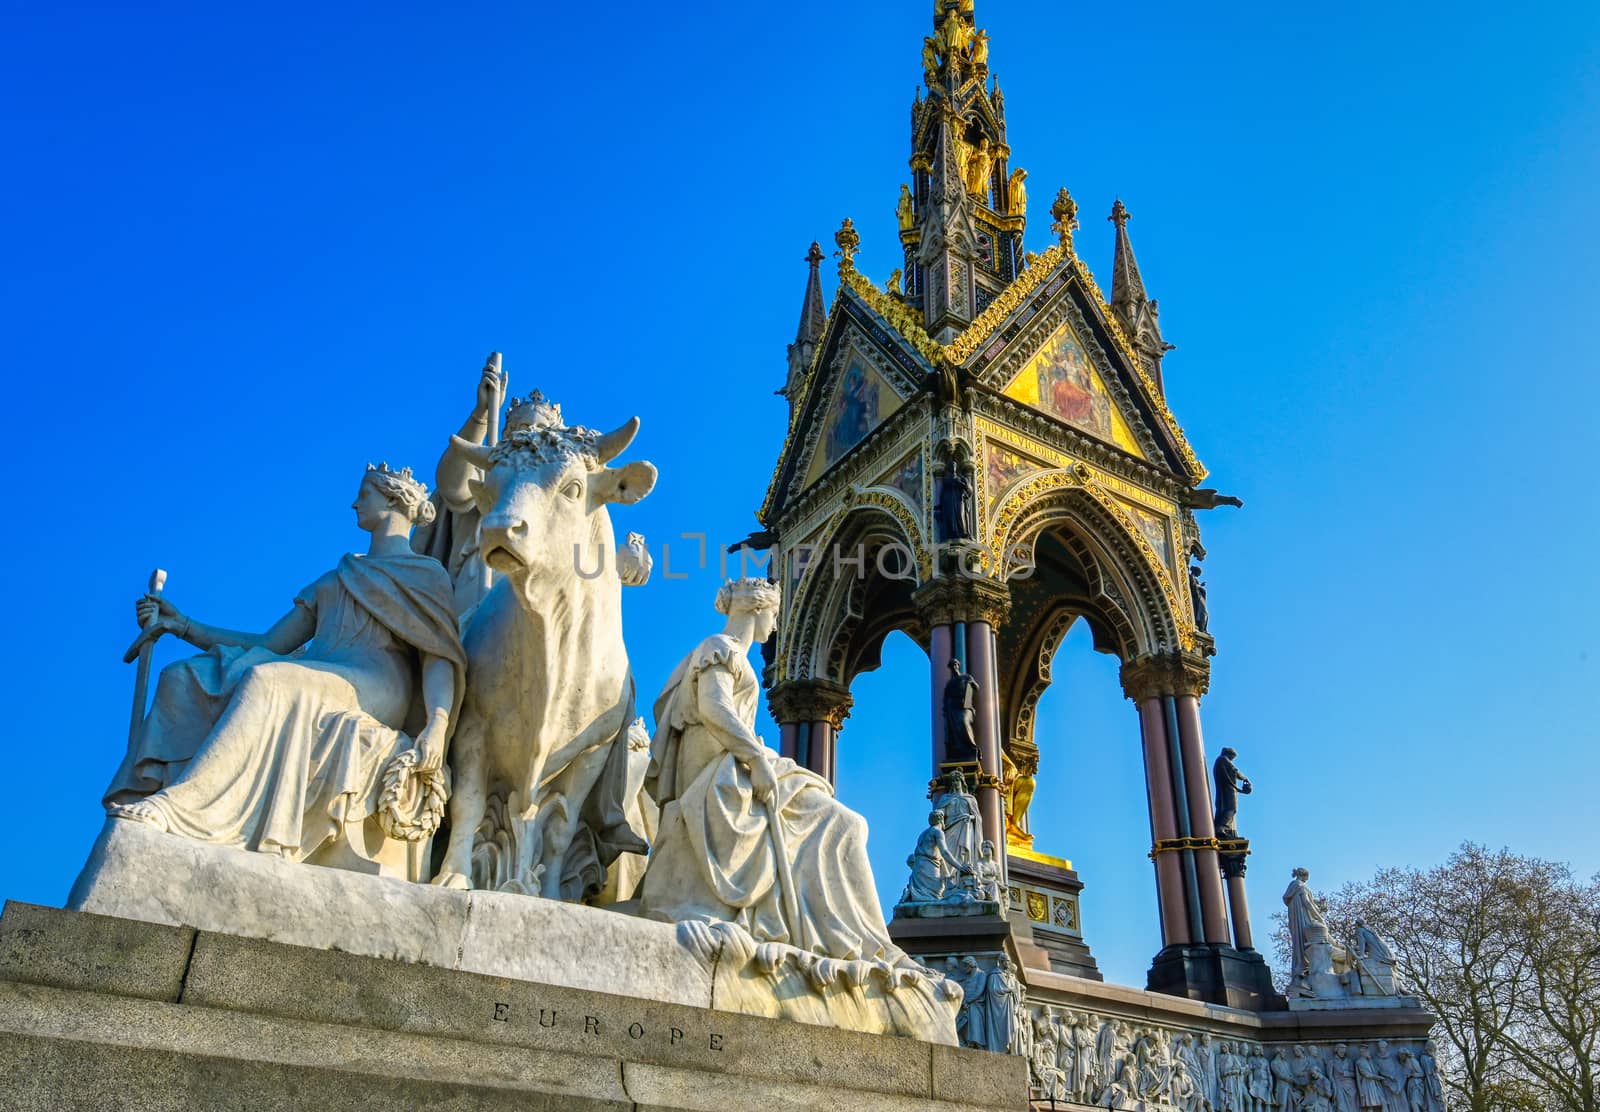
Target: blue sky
250	248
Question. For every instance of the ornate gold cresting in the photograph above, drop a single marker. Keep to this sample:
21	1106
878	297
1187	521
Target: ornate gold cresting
960	349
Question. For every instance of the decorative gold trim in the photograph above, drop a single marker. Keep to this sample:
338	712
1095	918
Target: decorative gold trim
900	318
960	349
1177	845
1014	850
1197	470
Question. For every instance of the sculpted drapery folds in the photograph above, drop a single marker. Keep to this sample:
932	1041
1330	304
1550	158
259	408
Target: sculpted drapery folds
748	837
248	745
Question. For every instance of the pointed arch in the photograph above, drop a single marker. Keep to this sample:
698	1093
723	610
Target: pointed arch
857	591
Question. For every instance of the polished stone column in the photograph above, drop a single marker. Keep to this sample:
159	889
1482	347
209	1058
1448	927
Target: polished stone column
810	714
1197	776
967	610
1233	869
940	650
1170	899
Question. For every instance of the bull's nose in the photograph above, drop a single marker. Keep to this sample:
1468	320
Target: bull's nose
505	526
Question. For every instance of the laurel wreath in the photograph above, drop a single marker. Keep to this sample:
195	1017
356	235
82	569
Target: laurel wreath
411	804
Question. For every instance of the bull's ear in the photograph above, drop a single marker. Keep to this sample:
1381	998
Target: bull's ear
480	495
626	484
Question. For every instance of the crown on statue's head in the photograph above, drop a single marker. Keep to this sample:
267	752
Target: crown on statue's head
533	412
752	592
402	478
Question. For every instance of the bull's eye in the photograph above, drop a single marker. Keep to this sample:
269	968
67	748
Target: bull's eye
573	490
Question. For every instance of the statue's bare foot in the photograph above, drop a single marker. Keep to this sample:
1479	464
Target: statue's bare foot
448	878
140	811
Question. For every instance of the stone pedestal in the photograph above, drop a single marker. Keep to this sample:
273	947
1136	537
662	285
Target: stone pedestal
138	872
99	1012
1216	974
1044	899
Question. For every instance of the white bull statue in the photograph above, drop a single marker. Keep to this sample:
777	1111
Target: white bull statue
539	758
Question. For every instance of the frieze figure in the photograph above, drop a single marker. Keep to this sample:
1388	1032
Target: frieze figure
1369	1080
960	709
275	741
1003	1006
1230	785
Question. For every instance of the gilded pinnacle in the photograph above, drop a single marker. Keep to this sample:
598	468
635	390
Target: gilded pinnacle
849	241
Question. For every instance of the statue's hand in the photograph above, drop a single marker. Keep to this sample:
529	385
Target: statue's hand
762	779
491	388
152	609
430	742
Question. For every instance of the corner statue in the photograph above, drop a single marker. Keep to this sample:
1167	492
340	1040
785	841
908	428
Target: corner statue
748	837
276	741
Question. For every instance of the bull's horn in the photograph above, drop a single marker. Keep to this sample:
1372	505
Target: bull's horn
614	443
475	454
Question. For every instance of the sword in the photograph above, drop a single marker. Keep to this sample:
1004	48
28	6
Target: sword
140	650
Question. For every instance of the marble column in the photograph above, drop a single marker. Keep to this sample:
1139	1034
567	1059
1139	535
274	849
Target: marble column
1170	899
787	740
1197	775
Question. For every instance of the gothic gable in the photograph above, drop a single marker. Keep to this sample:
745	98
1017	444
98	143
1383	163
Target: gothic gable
1050	342
1061	380
863	374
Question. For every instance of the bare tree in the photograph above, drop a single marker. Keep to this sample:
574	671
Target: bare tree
1505	951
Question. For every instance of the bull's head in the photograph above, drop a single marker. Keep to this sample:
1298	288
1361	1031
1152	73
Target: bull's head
543	499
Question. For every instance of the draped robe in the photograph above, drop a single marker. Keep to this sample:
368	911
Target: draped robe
717	856
274	752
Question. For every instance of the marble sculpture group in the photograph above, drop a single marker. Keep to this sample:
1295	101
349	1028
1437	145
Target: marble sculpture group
473	659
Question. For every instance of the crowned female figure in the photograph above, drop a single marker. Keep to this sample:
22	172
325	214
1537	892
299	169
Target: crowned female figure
746	836
272	741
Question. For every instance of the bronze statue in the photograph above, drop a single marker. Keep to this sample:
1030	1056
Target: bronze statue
960	695
1230	784
1197	596
955	504
905	209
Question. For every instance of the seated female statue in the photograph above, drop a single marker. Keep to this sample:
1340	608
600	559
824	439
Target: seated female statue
275	741
746	836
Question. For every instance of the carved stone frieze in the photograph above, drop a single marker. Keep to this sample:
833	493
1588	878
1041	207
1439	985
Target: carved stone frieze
1082	1058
